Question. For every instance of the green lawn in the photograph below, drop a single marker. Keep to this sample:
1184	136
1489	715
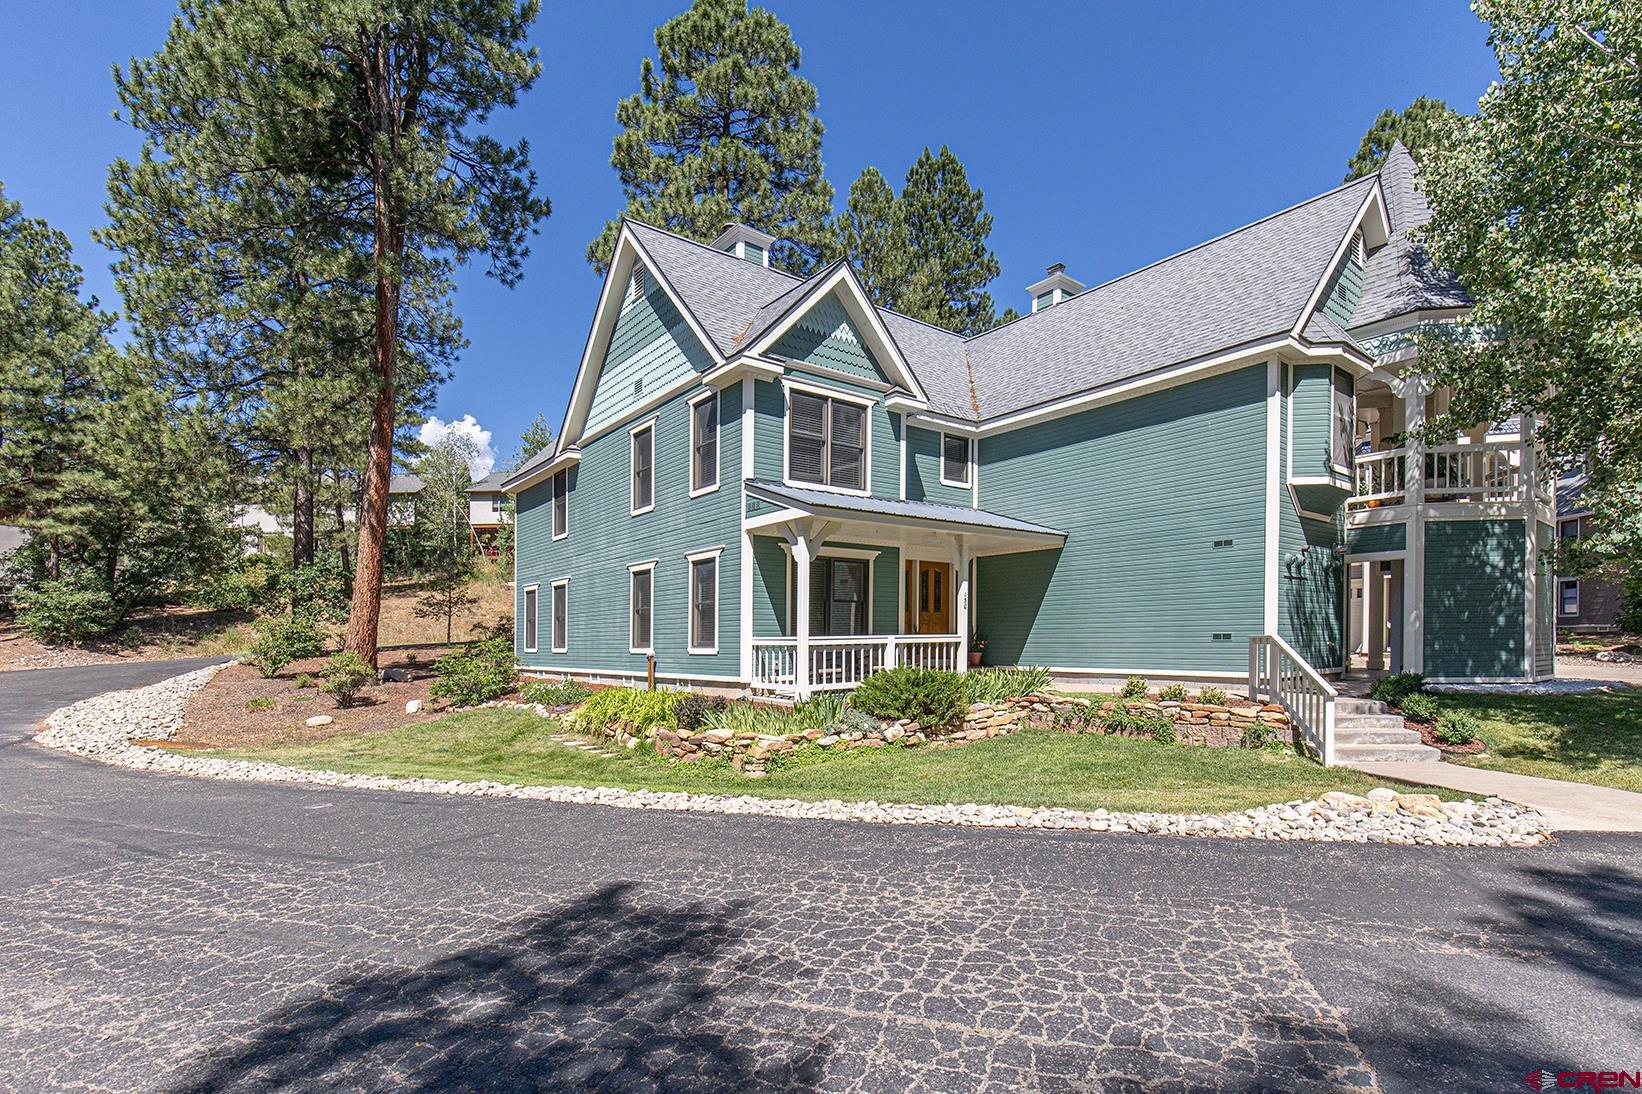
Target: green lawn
1590	738
1030	768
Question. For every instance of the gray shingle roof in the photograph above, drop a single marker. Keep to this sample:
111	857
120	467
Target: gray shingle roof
803	498
1399	277
1321	329
405	484
722	291
490	483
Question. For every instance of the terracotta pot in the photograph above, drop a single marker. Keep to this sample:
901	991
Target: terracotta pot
974	659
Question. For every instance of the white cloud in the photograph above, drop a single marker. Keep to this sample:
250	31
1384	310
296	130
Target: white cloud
484	459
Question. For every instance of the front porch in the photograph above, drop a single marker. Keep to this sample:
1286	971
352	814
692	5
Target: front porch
853	584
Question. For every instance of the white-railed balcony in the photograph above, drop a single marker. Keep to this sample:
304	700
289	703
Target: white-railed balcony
836	664
1486	472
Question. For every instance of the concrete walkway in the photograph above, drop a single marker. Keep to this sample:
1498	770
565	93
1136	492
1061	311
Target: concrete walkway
1570	807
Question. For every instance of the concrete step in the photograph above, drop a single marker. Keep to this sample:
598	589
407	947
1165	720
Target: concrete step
1360	754
1375	736
1360	706
1368	721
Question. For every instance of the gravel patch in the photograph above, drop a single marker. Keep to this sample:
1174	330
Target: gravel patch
1544	687
103	728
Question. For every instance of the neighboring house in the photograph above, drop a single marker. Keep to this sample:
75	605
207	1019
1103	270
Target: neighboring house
488	511
402	492
766	482
12	537
1582	604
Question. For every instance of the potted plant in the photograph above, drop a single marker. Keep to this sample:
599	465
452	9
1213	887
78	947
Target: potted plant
977	648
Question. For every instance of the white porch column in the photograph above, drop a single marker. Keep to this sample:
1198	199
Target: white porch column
1374	595
1399	601
803	553
1410	616
960	570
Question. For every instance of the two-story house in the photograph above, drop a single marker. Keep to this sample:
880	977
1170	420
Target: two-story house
766	482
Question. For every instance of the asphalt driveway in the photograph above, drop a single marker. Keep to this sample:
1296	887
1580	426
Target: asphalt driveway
167	933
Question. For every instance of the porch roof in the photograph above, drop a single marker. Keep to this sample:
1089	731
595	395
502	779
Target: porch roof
951	518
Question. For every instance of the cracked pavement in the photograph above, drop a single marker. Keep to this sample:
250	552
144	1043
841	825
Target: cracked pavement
174	934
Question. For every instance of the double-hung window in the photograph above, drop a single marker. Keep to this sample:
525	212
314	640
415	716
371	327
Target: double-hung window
1568	595
704	603
561	617
704	444
640	589
561	504
838	596
955	459
826	441
529	619
644	468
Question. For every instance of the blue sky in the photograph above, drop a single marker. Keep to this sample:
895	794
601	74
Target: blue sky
1105	135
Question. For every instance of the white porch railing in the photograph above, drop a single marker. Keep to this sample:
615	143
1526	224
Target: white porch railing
839	663
1278	674
1488	471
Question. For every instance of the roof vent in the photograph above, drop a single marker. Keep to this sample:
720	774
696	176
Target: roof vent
1054	288
745	241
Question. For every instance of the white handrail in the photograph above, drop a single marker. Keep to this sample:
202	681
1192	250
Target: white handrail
843	661
1484	471
1277	673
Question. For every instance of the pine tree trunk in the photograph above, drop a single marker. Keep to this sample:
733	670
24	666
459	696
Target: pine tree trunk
302	510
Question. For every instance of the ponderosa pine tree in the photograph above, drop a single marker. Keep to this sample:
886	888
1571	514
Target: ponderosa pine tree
871	233
1423	127
947	226
724	131
375	104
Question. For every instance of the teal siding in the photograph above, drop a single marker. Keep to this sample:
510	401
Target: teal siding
604	539
924	470
752	252
1345	289
1145	489
825	335
1310	582
1545	605
1375	538
650	349
1311	400
769	434
1475	597
771	575
770	416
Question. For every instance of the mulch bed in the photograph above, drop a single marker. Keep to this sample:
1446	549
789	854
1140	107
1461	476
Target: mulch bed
1428	735
217	715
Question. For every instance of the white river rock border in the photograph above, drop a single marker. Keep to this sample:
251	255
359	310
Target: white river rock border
101	728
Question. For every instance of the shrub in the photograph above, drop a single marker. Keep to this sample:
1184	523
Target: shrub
261	702
67	612
628	706
1420	707
929	697
1212	697
1161	728
1397	687
1174	693
1456	727
476	674
997	685
1134	688
303	680
344	675
822	711
691	711
1258	735
280	641
566	693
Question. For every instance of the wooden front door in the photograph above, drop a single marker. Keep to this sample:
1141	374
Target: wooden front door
929	597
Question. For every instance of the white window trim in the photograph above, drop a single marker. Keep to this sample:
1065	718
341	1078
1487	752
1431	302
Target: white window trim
690	560
857	554
821	391
1574	581
552	502
631	570
553	587
969	461
632	440
528	641
718	438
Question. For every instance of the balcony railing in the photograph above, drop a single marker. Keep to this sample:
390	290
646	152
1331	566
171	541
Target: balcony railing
1489	471
839	663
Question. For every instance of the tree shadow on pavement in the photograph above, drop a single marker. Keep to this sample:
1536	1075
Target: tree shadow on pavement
1587	920
602	993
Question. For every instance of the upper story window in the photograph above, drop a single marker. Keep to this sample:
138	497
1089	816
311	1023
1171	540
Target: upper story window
955	459
704	444
826	441
644	468
1344	419
561	504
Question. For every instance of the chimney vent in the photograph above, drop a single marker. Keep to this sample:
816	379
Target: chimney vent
1054	288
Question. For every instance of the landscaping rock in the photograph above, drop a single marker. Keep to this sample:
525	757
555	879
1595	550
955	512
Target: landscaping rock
413	707
1382	794
319	720
396	674
1339	799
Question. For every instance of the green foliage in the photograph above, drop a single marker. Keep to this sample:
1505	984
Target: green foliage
1456	727
317	590
345	673
1162	729
1630	602
1212	697
566	693
477	673
694	708
279	641
997	685
248	586
1424	126
261	703
1258	735
67	611
1134	688
537	436
302	680
1395	688
929	697
871	233
724	131
1418	706
638	710
1174	693
1114	718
